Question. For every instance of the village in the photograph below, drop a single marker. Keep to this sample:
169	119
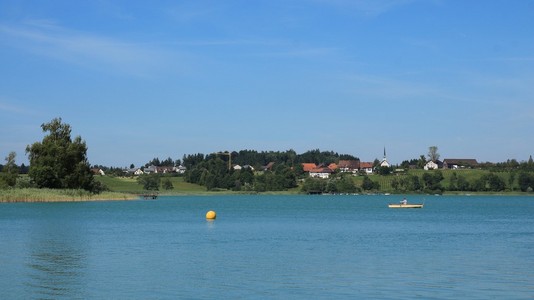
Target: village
314	170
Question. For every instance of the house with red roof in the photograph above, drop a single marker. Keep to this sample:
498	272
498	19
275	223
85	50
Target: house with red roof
367	167
307	167
352	166
322	172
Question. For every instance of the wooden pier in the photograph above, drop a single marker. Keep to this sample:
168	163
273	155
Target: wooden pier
152	196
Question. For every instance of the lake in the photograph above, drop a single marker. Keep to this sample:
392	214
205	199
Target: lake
269	247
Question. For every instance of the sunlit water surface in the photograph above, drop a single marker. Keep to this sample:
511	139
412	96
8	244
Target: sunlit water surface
269	247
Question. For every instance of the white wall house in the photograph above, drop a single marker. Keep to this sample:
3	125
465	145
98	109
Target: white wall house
321	173
180	169
431	166
134	171
367	167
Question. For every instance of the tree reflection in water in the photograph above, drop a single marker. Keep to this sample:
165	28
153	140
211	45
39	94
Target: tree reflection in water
56	268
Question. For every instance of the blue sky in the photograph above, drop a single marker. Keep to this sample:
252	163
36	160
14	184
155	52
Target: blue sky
144	79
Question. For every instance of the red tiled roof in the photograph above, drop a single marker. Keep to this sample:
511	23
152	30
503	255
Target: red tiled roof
366	165
322	170
308	166
349	164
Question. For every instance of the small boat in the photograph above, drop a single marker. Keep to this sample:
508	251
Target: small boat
415	205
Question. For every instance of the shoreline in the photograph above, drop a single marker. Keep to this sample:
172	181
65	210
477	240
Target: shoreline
48	195
29	195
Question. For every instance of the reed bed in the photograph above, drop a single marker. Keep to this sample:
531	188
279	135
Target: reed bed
52	195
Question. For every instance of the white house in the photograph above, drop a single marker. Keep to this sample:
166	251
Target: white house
180	169
351	166
98	171
321	173
431	165
150	170
134	171
367	167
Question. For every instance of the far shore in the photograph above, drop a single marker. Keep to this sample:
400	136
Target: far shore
50	195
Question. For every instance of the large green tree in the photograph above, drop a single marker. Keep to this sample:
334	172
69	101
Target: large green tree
10	171
150	182
58	162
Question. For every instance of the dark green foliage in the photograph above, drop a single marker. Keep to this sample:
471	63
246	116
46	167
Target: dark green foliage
314	186
432	182
345	184
383	170
323	157
489	183
59	162
150	182
409	183
10	172
167	184
458	183
369	185
169	162
280	180
190	161
526	181
213	173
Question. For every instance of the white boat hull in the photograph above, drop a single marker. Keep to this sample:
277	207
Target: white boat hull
405	205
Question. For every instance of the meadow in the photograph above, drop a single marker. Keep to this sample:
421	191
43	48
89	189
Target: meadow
471	175
127	188
130	185
54	195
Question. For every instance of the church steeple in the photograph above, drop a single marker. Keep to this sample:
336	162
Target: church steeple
384	162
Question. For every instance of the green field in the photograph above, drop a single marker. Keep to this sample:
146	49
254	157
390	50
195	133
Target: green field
123	188
130	185
470	175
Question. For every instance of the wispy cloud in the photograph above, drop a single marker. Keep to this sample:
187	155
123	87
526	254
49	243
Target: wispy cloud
388	88
46	38
370	8
7	106
191	12
265	47
307	52
230	42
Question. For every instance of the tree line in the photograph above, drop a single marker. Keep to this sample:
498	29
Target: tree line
435	183
260	171
60	161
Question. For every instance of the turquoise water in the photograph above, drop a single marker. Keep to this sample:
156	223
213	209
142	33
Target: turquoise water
269	247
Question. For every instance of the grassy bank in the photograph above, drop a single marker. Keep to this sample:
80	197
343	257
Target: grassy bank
50	195
471	175
180	187
130	185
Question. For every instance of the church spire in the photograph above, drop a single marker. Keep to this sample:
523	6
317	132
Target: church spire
384	162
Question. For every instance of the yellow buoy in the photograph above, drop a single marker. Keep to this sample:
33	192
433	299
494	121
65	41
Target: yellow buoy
211	215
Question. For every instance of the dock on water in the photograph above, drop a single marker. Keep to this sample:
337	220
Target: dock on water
153	196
